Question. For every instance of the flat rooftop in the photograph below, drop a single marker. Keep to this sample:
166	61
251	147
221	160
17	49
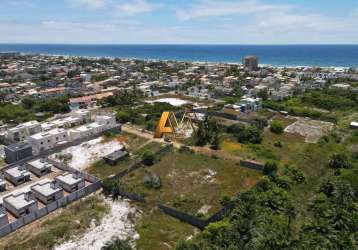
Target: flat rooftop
18	146
17	172
46	188
18	201
40	164
69	179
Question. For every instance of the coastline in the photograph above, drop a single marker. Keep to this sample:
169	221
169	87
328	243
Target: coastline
291	56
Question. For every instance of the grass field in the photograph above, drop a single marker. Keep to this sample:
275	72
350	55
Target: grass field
102	170
159	231
192	181
58	226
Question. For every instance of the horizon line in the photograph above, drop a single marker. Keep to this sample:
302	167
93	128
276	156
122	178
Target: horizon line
185	44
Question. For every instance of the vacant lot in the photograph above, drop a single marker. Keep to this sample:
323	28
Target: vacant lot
193	183
312	130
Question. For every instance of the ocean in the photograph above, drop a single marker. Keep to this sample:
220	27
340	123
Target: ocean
276	55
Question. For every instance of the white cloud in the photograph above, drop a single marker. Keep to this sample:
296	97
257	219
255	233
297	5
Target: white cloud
92	4
135	7
211	8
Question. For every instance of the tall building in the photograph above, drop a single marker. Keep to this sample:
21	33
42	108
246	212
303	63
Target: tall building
251	63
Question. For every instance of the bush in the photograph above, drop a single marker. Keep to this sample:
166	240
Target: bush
152	180
270	168
277	127
250	134
117	244
148	158
278	144
339	161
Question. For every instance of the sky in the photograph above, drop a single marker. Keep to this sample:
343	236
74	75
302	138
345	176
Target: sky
179	21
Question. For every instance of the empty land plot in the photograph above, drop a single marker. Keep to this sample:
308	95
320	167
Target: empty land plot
313	130
102	170
192	182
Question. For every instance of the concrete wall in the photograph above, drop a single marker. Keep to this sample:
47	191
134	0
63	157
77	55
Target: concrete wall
22	221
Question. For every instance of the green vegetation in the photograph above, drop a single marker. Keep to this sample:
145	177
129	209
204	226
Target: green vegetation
27	109
57	227
277	127
207	133
304	203
246	134
117	244
190	181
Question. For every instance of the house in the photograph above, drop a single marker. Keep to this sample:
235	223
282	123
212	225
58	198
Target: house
39	167
17	152
22	131
47	192
246	105
4	220
17	175
47	140
114	157
102	123
71	182
20	204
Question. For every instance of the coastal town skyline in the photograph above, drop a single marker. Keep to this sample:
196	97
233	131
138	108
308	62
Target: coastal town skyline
187	22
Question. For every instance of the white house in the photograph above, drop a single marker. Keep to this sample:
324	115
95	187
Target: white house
22	131
47	140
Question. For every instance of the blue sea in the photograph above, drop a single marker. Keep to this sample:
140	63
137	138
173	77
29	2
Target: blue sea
276	55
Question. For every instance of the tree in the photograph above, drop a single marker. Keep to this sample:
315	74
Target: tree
250	134
276	127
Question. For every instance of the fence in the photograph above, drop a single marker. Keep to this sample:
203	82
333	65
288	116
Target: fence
63	146
22	221
252	165
138	163
187	218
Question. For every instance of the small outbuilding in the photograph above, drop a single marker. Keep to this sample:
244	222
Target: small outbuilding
71	182
39	167
47	192
115	157
17	175
20	204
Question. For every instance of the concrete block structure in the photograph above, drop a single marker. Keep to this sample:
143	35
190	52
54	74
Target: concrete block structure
39	167
115	157
2	184
4	220
47	140
23	131
17	152
47	192
20	204
17	175
71	182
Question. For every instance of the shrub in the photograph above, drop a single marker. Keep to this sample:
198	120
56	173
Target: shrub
277	127
270	168
148	158
250	134
278	144
152	180
339	161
